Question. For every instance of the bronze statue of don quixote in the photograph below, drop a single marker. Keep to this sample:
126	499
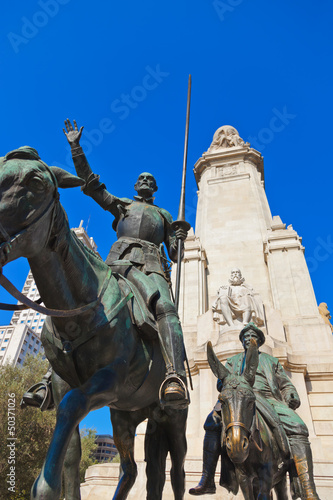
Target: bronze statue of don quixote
113	336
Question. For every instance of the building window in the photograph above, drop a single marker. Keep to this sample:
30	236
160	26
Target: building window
6	340
3	348
19	360
35	350
37	342
30	346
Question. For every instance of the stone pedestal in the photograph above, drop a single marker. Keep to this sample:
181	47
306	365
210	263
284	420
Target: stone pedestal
101	482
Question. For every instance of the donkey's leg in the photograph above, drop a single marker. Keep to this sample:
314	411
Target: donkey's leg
124	425
176	428
156	450
281	489
71	469
96	393
245	484
265	476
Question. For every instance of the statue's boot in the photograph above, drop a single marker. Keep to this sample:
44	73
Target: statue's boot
173	391
211	453
301	451
40	395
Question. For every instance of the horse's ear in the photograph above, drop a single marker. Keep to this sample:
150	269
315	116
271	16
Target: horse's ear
251	362
65	179
219	370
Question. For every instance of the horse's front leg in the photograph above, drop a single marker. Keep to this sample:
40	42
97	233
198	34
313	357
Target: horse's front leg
156	450
72	460
124	424
176	432
96	393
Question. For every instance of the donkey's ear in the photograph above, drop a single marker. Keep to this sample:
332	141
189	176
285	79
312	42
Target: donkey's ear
251	362
219	370
65	179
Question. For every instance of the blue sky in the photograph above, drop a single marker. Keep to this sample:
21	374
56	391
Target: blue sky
121	69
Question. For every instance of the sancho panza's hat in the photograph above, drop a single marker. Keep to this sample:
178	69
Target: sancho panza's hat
252	326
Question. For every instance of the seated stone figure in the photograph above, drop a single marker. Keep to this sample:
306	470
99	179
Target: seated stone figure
237	301
276	400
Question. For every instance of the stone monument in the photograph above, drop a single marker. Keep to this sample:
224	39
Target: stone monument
236	230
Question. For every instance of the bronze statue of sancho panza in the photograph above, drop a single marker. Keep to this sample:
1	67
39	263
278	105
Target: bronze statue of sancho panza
276	400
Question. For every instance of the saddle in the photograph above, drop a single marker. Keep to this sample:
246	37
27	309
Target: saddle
145	293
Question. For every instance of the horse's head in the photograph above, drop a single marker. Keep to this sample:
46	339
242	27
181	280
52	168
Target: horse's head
237	402
28	202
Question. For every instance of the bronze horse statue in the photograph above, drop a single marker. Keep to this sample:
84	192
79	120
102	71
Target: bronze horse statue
251	458
98	357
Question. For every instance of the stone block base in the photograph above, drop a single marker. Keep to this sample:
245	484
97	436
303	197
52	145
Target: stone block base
101	481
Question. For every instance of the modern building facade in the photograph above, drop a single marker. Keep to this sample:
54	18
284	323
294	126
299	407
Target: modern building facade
106	450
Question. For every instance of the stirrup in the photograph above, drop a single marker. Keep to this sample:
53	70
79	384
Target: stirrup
32	398
177	404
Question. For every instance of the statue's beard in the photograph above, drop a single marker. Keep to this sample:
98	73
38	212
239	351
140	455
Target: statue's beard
236	281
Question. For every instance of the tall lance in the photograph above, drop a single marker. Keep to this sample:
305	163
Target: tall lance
181	222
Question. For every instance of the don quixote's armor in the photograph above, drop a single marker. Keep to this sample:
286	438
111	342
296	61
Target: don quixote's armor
142	229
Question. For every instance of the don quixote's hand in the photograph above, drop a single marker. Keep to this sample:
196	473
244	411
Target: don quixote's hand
181	233
73	134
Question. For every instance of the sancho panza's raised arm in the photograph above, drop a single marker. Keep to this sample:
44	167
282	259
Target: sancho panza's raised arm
93	186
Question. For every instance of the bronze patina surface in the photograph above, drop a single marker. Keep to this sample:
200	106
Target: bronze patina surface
254	427
98	357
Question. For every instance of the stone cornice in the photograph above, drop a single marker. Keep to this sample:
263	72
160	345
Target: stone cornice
282	240
200	362
235	154
293	367
314	376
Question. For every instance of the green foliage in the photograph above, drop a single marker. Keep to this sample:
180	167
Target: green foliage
33	429
88	447
116	459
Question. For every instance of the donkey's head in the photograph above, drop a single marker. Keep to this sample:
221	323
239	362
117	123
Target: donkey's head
237	402
28	202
